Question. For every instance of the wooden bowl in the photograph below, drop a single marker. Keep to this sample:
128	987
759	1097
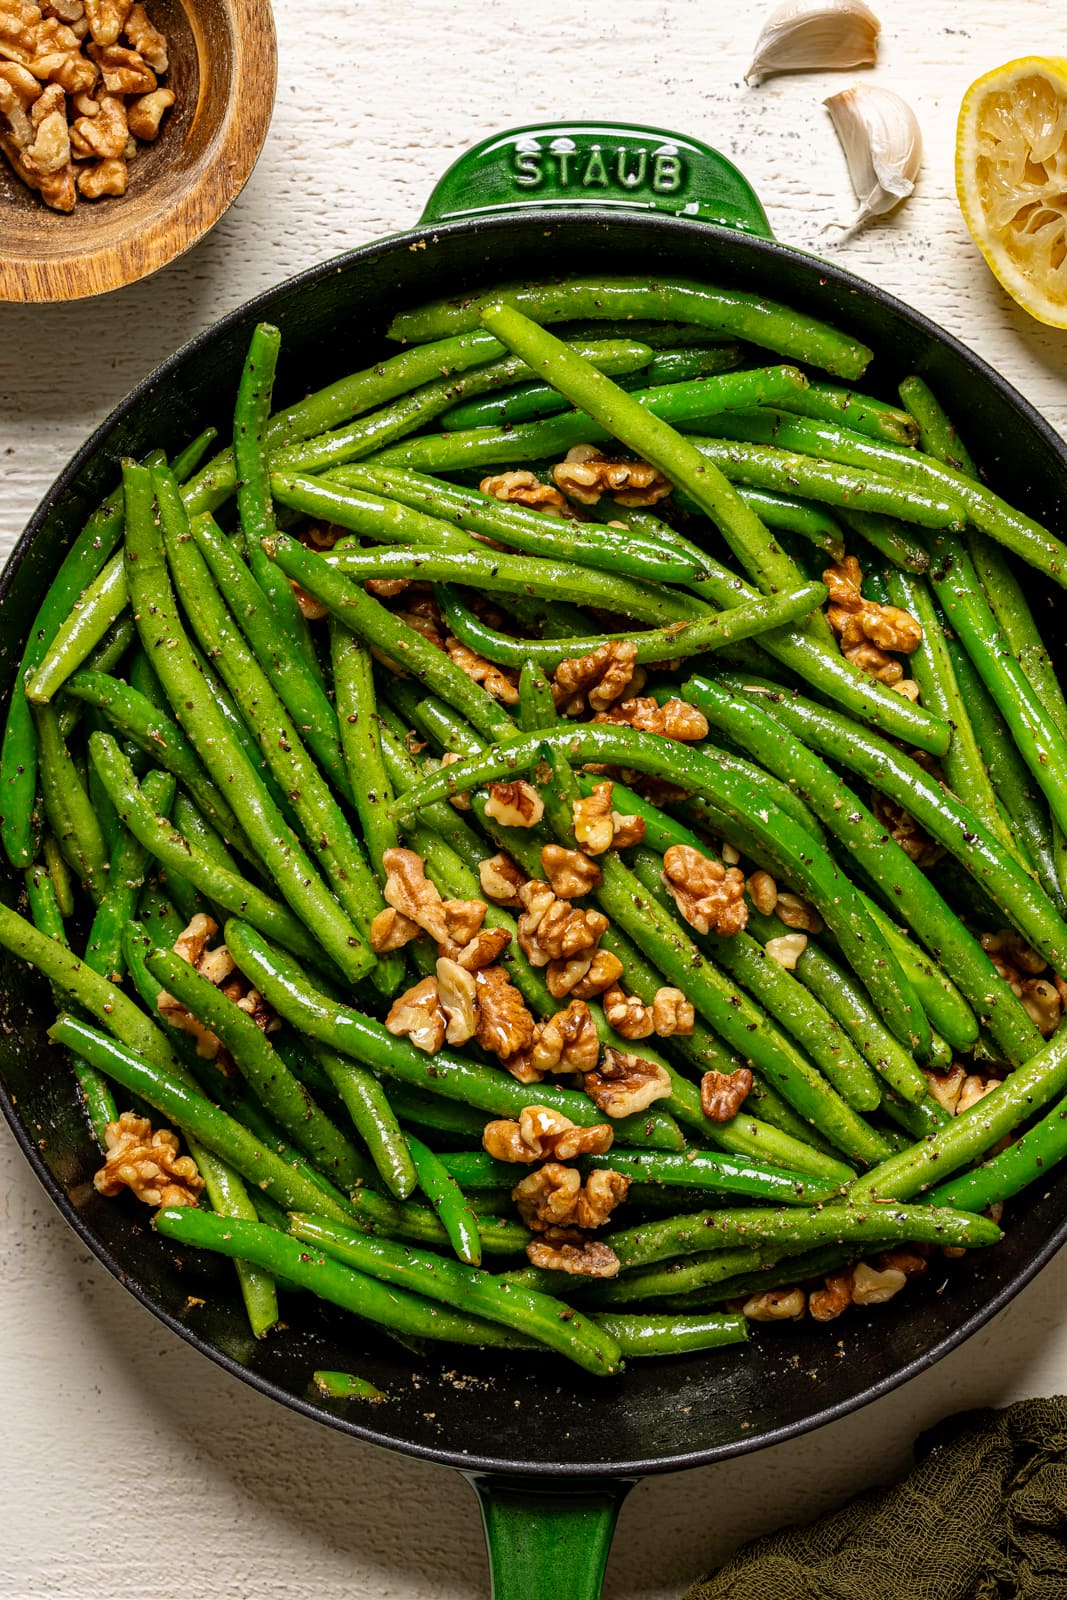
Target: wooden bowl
223	70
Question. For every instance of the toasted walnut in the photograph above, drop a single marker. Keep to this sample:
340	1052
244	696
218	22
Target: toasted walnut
55	188
208	1044
145	114
311	609
672	1013
905	831
675	719
501	880
146	39
570	872
722	1094
497	681
104	133
551	929
555	1197
107	18
776	1305
147	1163
585	475
391	930
462	802
796	913
191	942
595	680
946	1086
409	891
871	1287
1042	1004
515	805
762	891
544	1135
833	1299
1042	998
456	990
787	949
627	1015
463	919
486	947
419	1016
566	1042
974	1088
599	827
710	897
909	689
624	1084
594	827
123	71
50	149
590	1259
103	178
1010	951
583	976
524	489
504	1025
865	630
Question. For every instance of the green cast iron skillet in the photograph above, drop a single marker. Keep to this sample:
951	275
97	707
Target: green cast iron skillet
550	1505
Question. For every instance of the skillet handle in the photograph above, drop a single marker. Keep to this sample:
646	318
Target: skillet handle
548	1541
596	166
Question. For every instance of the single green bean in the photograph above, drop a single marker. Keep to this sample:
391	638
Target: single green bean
448	1201
733	313
96	611
70	812
860	412
357	717
59	872
672	1335
229	1198
374	1120
346	1386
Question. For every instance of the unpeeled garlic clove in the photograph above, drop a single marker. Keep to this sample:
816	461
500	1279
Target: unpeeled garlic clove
882	145
812	34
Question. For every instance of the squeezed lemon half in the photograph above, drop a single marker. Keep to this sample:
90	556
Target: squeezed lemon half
1011	178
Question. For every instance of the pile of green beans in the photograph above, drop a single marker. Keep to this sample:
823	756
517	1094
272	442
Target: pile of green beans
238	696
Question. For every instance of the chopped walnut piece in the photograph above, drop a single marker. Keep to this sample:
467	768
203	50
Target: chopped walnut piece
586	474
590	1259
762	891
974	1088
145	114
523	488
583	976
146	39
796	913
311	609
555	1197
871	1287
710	897
123	71
501	880
462	802
787	949
722	1094
551	929
1010	951
391	930
541	1134
902	827
515	805
775	1305
626	1013
191	942
595	680
103	134
107	18
504	1024
672	1013
570	872
208	1044
418	1015
108	177
865	630
457	990
50	149
624	1084
675	719
409	891
566	1042
829	1302
497	681
1042	1004
594	827
55	188
1042	998
463	919
147	1163
486	947
946	1086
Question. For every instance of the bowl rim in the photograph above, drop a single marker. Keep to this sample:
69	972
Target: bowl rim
83	270
470	1463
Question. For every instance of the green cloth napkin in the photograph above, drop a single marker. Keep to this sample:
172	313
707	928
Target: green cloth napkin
982	1516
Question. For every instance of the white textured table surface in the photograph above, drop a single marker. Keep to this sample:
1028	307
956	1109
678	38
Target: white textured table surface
131	1466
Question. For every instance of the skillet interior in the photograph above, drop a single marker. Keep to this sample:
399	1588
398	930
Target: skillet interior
662	1414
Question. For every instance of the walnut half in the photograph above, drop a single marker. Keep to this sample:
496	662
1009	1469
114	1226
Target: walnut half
147	1163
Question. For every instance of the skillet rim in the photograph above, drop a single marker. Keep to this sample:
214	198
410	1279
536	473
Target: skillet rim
470	1464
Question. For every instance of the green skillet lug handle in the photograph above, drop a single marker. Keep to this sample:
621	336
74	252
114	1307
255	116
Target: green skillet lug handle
549	1540
600	167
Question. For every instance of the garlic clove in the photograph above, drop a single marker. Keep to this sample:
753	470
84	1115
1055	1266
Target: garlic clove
882	143
811	34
